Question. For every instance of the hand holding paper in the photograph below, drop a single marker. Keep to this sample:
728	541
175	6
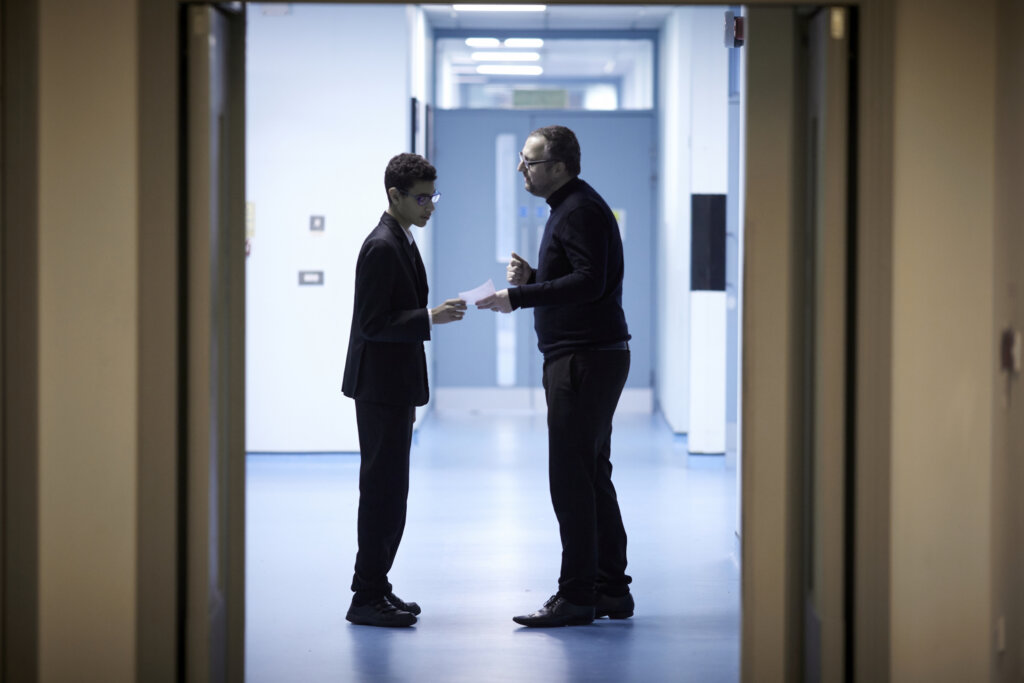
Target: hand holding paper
450	311
498	301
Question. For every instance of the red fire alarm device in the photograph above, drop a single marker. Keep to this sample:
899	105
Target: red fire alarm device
735	32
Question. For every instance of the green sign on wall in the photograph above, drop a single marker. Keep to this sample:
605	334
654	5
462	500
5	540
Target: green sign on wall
540	99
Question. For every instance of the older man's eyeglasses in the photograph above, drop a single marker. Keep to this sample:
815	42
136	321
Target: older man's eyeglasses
422	199
530	164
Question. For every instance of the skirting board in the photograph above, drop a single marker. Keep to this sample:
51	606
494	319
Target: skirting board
522	400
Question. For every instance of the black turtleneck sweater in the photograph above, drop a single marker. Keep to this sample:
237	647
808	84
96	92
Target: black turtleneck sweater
576	287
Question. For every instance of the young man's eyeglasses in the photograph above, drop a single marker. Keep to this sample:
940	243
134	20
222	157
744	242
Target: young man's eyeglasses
530	164
422	199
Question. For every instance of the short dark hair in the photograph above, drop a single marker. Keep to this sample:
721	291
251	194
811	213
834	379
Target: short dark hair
561	144
405	170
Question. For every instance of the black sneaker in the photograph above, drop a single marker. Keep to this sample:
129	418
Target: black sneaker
410	607
558	611
620	607
379	612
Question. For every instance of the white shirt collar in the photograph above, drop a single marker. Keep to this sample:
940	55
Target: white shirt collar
408	235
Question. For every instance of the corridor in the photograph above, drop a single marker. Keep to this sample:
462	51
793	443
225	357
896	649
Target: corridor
481	545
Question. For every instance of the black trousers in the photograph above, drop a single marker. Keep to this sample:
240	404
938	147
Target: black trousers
582	390
385	436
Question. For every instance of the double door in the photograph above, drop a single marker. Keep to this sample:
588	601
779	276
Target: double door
486	213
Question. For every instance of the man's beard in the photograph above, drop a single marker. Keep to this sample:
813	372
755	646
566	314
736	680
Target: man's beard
532	187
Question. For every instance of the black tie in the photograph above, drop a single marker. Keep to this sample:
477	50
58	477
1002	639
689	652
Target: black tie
421	271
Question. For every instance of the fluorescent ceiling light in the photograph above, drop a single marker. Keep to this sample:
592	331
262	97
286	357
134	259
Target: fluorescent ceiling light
524	42
505	56
509	70
499	8
483	42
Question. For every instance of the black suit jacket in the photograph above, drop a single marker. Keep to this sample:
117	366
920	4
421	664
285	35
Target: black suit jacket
390	321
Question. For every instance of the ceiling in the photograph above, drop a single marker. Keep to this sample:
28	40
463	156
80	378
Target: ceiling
554	18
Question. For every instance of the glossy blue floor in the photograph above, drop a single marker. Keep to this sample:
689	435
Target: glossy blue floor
481	545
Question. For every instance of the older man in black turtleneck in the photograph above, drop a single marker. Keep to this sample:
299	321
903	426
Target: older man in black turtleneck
576	294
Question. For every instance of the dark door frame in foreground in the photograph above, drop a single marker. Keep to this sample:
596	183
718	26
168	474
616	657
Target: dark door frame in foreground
212	525
19	341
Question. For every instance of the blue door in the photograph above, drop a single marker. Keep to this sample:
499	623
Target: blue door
486	213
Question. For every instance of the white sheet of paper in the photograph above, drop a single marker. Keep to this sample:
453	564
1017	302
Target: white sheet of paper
477	293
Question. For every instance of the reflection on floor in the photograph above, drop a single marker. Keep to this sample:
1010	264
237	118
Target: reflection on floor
480	546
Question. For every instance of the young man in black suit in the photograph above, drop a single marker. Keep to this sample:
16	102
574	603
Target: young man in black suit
576	294
386	374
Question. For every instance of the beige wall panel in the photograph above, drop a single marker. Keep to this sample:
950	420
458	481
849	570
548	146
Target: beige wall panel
942	347
770	565
88	339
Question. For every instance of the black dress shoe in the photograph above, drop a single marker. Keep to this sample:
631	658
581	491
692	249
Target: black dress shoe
558	611
379	612
620	607
410	607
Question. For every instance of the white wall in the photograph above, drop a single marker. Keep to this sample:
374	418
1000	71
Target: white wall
328	105
673	316
709	86
638	83
709	166
693	87
421	54
421	69
741	203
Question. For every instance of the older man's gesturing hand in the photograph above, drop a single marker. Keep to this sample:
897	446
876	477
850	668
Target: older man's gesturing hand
518	271
496	302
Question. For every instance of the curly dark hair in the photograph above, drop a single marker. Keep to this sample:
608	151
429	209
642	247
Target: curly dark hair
561	144
405	170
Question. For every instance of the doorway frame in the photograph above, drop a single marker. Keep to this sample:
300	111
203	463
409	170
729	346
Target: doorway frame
767	640
19	340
